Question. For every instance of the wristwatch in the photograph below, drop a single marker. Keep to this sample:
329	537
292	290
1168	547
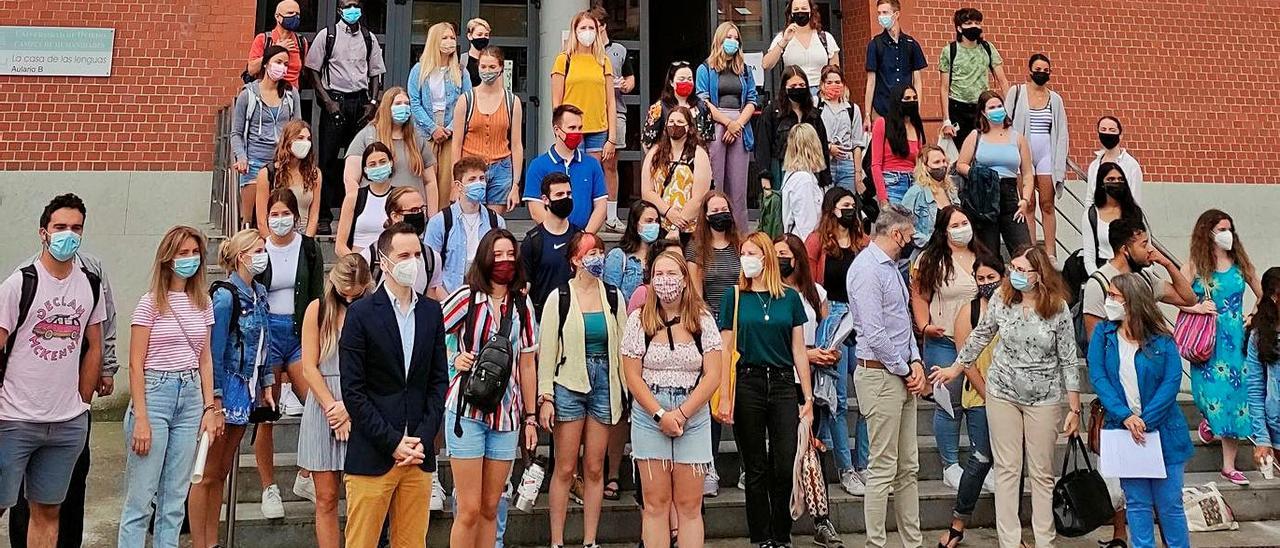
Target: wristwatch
657	415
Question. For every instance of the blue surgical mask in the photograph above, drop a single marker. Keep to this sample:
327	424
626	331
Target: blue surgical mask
1020	281
730	46
475	191
399	113
351	14
63	245
186	267
649	232
997	115
886	21
378	174
594	265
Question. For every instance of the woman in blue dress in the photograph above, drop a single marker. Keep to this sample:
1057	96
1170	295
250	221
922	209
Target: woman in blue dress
1221	270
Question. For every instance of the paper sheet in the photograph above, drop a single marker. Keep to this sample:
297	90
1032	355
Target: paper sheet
843	330
756	62
942	397
1121	457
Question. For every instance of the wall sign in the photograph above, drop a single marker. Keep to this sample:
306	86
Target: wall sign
56	51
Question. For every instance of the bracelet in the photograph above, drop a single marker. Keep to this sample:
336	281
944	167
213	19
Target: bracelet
681	411
1076	411
210	407
530	421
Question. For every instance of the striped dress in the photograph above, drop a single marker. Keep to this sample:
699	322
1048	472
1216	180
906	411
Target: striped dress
318	449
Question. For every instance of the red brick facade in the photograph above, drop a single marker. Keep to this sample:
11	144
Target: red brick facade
170	74
1194	82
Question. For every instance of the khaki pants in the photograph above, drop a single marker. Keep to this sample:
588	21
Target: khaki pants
895	460
1013	428
403	493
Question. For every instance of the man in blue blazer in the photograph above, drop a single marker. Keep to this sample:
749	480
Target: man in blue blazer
394	377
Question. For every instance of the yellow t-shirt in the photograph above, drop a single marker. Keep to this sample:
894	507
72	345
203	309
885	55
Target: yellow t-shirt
971	398
586	86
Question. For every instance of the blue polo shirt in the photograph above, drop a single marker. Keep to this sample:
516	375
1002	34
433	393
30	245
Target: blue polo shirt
893	63
586	177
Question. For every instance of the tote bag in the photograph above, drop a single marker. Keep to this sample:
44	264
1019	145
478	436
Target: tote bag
728	389
1194	335
1207	510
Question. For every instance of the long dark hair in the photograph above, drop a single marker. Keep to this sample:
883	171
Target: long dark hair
895	122
1267	318
829	226
701	242
478	278
668	96
631	241
1128	206
935	267
661	160
801	278
782	103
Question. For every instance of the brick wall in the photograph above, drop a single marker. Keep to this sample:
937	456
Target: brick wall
1194	82
175	64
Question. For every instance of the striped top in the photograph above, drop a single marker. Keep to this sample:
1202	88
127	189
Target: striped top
1040	120
487	320
178	336
487	133
718	276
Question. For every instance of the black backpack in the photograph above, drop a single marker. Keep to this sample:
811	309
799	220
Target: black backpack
484	386
610	294
951	58
1074	272
226	285
27	298
448	227
980	193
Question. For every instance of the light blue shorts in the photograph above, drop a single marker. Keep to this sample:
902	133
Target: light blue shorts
594	142
573	406
498	179
479	440
255	165
692	447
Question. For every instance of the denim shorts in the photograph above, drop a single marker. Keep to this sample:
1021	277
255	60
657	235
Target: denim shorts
40	456
692	447
498	178
573	406
479	440
284	347
255	165
594	142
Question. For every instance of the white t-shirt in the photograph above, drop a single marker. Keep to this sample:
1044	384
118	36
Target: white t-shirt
42	384
812	58
1129	374
284	274
435	81
811	326
471	227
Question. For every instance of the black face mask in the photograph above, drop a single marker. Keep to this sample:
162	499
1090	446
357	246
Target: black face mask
938	173
971	33
1114	190
479	43
416	220
786	266
1109	140
909	108
1134	266
720	222
561	208
987	290
848	218
800	18
1040	78
799	95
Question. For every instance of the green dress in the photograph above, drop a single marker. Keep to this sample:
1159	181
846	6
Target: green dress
1218	386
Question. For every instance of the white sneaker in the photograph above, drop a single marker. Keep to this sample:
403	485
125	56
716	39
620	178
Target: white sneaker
437	494
272	505
711	483
989	483
615	226
951	476
742	481
289	403
305	487
853	483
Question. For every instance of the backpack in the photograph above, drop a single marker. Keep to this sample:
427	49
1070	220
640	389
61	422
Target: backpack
697	339
980	193
951	58
470	96
235	308
332	37
246	77
484	386
448	227
27	298
1077	312
1073	269
611	295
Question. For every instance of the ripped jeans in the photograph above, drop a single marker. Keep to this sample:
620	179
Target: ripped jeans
978	465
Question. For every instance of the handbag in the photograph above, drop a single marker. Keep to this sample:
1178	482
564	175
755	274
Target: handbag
729	389
1081	502
1206	509
1096	417
809	487
1195	335
485	385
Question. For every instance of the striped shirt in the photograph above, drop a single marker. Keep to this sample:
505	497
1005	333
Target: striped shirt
718	276
178	336
1040	120
487	322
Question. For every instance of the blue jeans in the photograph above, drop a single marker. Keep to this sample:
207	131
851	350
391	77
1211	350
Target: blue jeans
978	465
942	352
896	184
498	179
842	172
1145	498
834	429
175	406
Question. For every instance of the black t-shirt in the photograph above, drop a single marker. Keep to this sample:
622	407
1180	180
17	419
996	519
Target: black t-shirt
552	269
834	274
473	68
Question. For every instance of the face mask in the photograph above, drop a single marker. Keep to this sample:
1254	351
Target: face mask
832	92
909	108
885	21
938	173
752	266
479	43
684	89
594	265
786	266
586	37
63	245
1114	309
275	71
1225	240
291	23
1020	281
1040	78
800	18
1109	140
798	95
405	272
997	115
720	222
280	225
475	191
351	14
503	272
300	148
1114	190
448	45
676	133
971	33
649	232
961	235
848	218
378	174
186	267
730	46
572	139
561	208
987	290
667	287
416	220
400	113
490	77
258	263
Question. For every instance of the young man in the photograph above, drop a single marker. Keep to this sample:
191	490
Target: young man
346	70
893	59
285	35
457	231
589	193
624	81
965	65
477	38
53	345
394	376
545	249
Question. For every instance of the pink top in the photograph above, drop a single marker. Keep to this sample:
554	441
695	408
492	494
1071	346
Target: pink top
177	336
883	159
662	366
637	298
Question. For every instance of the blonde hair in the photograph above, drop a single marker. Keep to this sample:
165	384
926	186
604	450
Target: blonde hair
804	150
162	269
478	22
430	59
718	60
922	169
350	270
571	45
691	305
231	249
383	125
771	276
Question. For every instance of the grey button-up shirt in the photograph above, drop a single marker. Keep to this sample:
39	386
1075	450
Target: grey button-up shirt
350	66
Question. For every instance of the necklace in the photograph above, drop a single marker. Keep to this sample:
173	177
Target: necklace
764	303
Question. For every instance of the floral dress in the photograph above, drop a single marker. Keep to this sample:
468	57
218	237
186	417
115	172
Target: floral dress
676	187
1219	385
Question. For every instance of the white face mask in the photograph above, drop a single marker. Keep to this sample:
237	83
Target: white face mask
752	266
1225	240
448	45
280	225
586	37
1114	309
300	148
406	272
258	263
961	235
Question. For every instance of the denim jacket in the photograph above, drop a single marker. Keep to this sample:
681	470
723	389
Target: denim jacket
420	99
236	355
707	84
1159	368
623	271
1263	383
920	202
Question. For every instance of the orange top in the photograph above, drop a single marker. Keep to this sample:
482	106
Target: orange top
487	133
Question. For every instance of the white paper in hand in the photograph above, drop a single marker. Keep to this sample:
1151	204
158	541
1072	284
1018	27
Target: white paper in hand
942	397
1121	457
202	454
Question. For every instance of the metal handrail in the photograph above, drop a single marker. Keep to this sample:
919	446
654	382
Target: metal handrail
224	199
1075	169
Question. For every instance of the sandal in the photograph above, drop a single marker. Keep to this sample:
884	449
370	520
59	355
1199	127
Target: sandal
1113	543
611	489
953	535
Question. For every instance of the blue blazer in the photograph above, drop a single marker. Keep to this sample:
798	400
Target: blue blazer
382	400
1159	377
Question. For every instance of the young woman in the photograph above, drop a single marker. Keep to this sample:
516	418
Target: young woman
435	83
943	282
1111	200
295	168
624	266
1263	364
478	31
583	76
677	93
411	159
1220	270
261	111
1135	368
676	174
803	43
172	398
994	145
322	435
895	143
1030	376
728	89
791	106
482	446
1109	133
493	119
843	121
580	390
1039	115
364	211
239	381
932	190
671	359
801	194
766	404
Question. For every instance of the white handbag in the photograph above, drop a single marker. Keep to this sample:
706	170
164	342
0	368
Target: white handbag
1206	509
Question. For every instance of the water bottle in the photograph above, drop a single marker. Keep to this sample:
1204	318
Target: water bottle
1269	467
530	484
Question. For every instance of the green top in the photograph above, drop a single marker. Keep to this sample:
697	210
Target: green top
970	77
760	341
597	333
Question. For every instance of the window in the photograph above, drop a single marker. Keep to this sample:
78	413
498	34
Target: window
748	15
508	18
426	14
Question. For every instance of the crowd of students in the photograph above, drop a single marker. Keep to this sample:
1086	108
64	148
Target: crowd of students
438	330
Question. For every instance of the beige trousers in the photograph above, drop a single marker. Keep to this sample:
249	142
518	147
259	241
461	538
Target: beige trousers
1015	427
894	462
